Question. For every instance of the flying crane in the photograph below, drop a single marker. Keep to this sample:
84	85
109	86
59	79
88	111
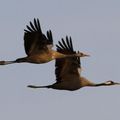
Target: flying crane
38	46
68	71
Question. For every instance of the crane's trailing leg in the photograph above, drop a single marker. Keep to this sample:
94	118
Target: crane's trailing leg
34	86
19	60
6	62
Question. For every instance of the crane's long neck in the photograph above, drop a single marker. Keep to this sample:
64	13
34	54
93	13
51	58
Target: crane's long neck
74	55
100	84
86	82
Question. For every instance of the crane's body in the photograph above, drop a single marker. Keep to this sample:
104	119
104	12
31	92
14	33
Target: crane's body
41	58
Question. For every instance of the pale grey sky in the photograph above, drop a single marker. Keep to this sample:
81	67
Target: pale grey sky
95	29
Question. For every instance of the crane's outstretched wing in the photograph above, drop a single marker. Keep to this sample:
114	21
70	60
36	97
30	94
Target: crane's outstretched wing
34	40
67	68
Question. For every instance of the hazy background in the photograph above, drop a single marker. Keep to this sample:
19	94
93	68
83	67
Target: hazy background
95	29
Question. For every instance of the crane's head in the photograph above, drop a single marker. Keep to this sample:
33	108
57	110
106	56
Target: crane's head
107	83
81	54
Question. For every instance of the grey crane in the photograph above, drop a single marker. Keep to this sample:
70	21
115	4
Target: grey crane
68	71
38	46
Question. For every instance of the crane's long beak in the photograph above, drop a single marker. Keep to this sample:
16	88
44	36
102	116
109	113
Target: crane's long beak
117	83
86	55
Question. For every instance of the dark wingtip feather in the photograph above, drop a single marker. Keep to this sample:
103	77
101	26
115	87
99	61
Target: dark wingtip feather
71	45
38	25
29	28
34	26
61	45
35	22
65	44
79	61
58	48
26	31
49	35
